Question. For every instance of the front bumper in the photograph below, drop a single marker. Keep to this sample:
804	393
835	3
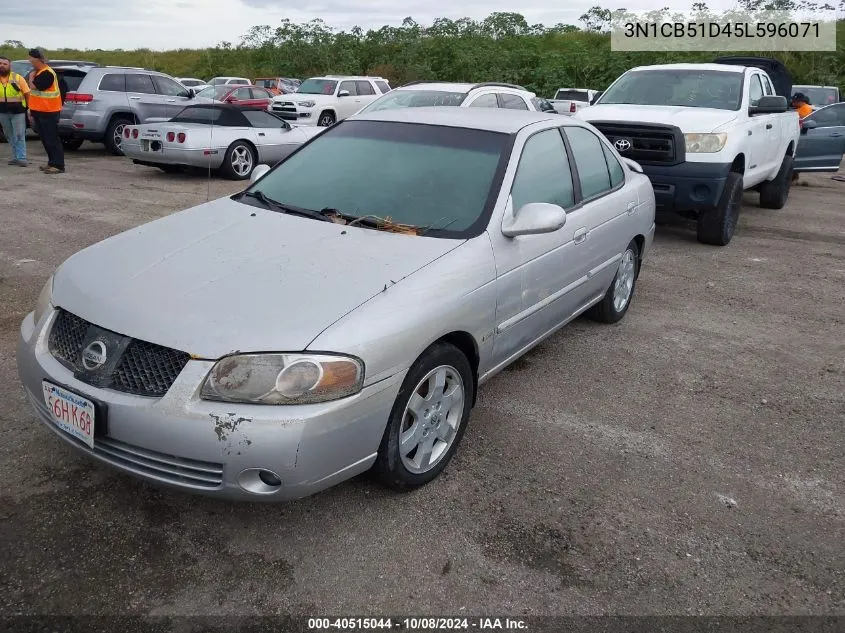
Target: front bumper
217	448
174	156
687	186
295	114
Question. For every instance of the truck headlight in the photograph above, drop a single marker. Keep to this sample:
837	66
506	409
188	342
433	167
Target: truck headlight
42	304
307	104
705	143
283	378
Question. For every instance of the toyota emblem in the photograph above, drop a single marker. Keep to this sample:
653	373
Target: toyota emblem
94	355
622	144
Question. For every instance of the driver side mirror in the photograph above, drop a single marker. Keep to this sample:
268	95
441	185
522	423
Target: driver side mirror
533	218
808	124
769	104
343	93
189	93
258	172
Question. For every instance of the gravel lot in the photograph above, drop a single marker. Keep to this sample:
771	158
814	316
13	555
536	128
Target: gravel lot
688	460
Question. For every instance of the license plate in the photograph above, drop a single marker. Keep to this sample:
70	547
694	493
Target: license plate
71	412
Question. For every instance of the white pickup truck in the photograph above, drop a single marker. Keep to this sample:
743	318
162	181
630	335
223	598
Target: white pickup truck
568	101
703	133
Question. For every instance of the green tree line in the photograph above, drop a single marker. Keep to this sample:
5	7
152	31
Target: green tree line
501	47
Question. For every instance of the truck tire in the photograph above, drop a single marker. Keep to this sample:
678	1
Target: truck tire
326	119
774	193
716	225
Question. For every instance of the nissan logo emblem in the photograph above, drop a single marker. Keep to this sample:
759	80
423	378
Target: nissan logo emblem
94	356
622	144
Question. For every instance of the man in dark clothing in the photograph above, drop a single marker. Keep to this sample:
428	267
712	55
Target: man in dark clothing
45	105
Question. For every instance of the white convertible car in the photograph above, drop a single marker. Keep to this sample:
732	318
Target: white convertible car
215	136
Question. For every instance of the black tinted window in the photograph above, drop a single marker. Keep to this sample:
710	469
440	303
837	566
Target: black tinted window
572	95
72	79
259	118
543	174
512	102
383	86
210	115
365	88
168	87
139	83
589	158
113	83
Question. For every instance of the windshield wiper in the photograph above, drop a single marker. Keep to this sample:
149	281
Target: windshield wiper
275	205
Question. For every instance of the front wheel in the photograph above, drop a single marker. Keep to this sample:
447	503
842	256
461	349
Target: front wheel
616	300
428	418
327	119
239	161
716	225
774	193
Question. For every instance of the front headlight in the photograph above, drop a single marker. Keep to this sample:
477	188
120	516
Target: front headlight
705	143
283	378
307	104
42	304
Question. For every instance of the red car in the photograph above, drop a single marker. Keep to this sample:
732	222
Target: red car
238	95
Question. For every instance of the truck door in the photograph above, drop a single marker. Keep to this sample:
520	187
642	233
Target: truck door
758	162
774	129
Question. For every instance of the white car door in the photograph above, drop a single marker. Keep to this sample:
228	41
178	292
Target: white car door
350	104
757	162
535	274
366	93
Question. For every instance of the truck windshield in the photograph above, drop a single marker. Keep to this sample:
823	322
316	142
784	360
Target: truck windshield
317	87
721	90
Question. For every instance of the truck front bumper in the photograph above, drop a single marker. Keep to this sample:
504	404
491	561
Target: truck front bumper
687	186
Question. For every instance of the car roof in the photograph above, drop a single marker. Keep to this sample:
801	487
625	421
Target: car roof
490	119
719	67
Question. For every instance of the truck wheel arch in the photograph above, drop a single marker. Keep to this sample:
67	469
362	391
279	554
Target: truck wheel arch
738	164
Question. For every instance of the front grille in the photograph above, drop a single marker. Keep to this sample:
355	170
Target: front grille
649	144
144	369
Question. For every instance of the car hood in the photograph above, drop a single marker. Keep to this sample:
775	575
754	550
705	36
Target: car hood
687	119
225	277
296	97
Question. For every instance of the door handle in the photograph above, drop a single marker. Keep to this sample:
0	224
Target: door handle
171	101
135	98
836	135
768	126
580	235
261	134
632	206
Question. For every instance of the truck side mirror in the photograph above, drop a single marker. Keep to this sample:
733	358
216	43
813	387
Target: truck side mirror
769	104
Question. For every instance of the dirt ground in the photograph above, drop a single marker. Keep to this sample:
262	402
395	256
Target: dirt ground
688	460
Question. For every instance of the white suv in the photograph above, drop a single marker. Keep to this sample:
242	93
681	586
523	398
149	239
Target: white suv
444	93
326	100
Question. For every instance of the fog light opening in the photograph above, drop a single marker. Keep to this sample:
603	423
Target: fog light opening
269	478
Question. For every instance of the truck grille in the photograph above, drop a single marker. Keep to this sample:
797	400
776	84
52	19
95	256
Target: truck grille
144	369
286	109
646	144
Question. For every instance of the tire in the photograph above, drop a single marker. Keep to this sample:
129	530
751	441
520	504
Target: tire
618	297
326	119
72	144
774	193
239	161
114	134
170	169
437	425
716	225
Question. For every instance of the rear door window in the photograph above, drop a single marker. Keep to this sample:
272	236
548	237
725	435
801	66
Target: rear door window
142	84
383	86
113	82
485	101
364	88
512	102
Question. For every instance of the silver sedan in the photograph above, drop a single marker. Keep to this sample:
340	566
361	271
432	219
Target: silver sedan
339	315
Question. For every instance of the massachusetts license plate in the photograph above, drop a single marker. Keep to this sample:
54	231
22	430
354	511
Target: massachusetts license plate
72	413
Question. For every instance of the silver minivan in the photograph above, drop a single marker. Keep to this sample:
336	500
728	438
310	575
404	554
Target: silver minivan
109	98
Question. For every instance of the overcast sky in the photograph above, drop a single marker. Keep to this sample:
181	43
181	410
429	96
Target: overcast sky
168	24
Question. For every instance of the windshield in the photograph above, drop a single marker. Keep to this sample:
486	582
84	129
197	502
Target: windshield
317	87
572	95
214	92
415	99
817	95
428	176
721	90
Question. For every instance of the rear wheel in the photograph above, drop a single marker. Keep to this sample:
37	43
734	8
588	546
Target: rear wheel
615	303
716	225
72	144
774	193
114	134
239	161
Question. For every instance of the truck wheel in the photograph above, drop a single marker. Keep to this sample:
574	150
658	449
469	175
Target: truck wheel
716	225
615	303
327	119
774	193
